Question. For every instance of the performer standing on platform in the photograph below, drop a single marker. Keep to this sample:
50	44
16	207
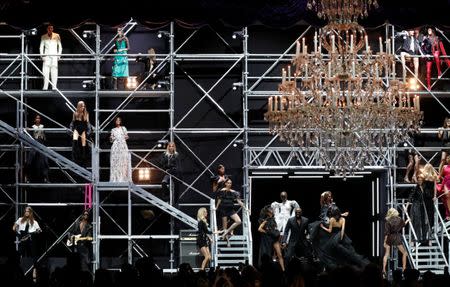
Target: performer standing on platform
410	49
203	236
37	163
170	164
120	156
120	65
433	46
393	237
226	199
430	178
418	212
294	238
218	181
270	236
150	66
445	187
80	237
26	227
81	129
283	210
444	136
50	50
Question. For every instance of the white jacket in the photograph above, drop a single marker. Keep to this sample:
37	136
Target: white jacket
50	46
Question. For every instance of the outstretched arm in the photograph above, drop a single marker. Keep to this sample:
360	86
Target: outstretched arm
261	227
342	227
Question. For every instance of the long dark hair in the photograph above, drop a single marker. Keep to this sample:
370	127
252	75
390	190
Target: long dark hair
30	216
334	212
264	213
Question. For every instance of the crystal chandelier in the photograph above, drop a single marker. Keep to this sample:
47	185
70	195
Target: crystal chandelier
347	103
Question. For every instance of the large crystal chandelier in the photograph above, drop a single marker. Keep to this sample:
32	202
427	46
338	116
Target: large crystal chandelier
347	103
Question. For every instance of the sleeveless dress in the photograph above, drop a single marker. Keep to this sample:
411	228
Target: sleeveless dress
120	157
120	65
336	252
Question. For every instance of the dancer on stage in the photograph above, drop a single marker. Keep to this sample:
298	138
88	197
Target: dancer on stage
444	136
433	46
393	237
170	163
338	249
225	205
418	212
430	178
326	203
283	210
270	236
203	237
294	239
218	181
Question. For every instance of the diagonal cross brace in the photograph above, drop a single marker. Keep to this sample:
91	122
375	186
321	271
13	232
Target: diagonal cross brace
164	206
61	160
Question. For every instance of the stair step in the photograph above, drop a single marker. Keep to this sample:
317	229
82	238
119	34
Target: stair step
421	254
426	267
232	255
232	248
230	261
435	260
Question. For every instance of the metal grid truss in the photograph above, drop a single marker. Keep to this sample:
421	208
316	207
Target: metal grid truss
259	148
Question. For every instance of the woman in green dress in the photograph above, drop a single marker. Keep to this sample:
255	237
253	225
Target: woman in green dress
120	65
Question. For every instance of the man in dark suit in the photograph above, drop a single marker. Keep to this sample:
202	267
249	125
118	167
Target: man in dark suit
294	238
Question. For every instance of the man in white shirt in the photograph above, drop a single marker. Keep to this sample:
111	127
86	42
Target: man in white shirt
283	210
50	50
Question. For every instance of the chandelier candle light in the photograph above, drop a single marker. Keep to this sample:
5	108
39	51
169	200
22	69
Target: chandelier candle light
346	102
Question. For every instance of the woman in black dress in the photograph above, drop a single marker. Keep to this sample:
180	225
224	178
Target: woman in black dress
81	128
338	250
393	237
169	162
270	236
37	163
418	212
430	177
225	205
203	236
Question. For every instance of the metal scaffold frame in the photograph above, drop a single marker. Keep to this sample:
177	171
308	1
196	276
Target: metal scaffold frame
268	157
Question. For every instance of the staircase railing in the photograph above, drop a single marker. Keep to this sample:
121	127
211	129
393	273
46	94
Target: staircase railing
442	234
213	219
413	255
247	232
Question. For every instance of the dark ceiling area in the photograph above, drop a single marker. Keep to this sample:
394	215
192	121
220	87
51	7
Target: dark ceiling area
194	13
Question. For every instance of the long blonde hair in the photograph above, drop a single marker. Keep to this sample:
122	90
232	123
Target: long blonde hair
429	173
84	115
391	213
201	215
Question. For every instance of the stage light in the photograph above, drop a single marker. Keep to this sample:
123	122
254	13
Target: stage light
88	84
412	84
162	143
88	34
236	85
238	142
132	83
30	32
237	34
144	174
163	33
162	84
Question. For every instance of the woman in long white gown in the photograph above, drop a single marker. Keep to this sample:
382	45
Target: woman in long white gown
120	157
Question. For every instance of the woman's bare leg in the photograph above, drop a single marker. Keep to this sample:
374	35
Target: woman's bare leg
206	257
277	248
387	252
402	249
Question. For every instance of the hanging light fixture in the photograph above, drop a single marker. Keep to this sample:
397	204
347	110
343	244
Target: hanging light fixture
347	102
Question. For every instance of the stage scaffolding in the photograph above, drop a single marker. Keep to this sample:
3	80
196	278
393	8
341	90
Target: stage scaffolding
261	152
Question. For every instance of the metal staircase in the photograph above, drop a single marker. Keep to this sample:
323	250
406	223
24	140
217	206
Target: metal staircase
149	197
427	257
61	160
238	250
